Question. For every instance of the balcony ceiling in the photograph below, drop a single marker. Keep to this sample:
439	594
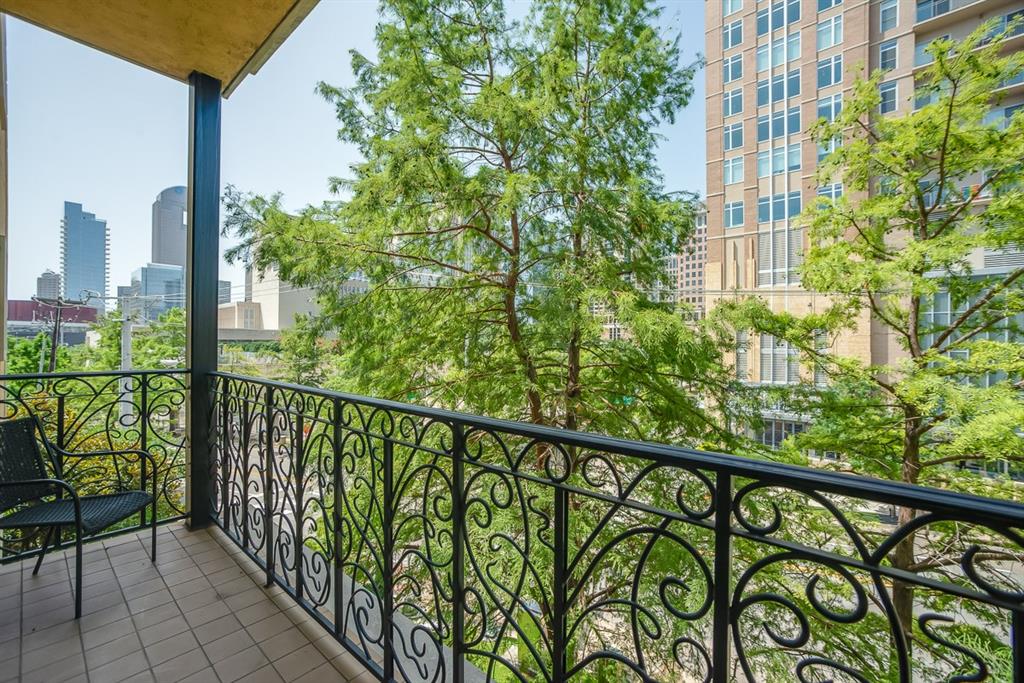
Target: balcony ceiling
226	39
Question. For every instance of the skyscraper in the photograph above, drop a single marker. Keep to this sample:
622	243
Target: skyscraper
169	227
774	68
84	254
48	285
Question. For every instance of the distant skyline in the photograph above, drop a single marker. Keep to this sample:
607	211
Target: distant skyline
89	128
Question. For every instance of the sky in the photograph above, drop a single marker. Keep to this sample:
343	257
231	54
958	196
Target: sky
90	128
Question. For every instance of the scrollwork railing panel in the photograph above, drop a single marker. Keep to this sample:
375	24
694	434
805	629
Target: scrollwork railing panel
438	546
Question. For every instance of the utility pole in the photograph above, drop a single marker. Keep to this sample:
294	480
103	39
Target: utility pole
58	305
126	364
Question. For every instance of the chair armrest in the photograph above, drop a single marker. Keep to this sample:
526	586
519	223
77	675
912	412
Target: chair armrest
56	483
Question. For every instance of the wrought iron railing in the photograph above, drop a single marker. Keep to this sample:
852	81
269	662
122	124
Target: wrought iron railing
438	546
89	411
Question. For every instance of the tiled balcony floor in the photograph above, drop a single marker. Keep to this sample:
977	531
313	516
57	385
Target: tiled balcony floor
200	614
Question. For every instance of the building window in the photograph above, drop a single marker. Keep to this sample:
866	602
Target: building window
793	157
780	363
732	170
887	55
733	214
825	149
778	88
780	14
781	50
732	102
828	4
829	107
779	256
778	207
733	136
793	120
888	14
833	191
821	346
732	35
830	71
778	160
731	7
774	432
793	46
742	362
921	54
830	32
887	93
732	68
927	9
777	124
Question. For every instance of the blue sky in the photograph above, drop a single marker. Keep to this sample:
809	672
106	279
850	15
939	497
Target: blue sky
90	128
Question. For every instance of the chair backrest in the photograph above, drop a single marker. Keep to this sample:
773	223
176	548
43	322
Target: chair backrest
20	459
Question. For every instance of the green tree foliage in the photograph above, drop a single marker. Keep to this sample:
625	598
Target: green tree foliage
303	353
155	345
925	193
507	202
23	355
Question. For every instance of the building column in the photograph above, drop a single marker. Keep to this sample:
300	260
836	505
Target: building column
203	259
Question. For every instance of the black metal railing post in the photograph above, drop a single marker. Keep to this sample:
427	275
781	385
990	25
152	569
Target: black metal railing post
336	516
1017	640
268	484
224	456
143	438
561	560
248	408
298	469
58	463
458	553
388	602
720	646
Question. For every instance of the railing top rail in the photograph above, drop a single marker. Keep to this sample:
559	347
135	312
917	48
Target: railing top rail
939	501
93	373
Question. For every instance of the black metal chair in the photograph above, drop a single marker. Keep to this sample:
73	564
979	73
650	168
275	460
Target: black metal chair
25	487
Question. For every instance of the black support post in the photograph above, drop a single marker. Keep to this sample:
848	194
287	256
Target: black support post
720	645
201	289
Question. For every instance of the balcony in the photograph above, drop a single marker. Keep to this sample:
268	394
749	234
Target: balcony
396	542
331	536
932	15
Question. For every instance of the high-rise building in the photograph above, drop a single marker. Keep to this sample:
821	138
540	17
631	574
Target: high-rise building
685	270
773	69
223	291
48	285
170	232
155	289
84	254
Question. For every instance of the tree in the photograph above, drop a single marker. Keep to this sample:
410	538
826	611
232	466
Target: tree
507	208
925	193
23	355
157	344
507	203
303	353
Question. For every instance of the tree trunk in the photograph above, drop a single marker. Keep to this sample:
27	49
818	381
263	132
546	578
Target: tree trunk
903	556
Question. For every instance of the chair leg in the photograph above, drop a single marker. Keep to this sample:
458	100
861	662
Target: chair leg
42	551
78	572
152	551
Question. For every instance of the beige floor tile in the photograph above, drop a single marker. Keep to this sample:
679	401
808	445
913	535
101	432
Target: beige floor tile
302	661
240	664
